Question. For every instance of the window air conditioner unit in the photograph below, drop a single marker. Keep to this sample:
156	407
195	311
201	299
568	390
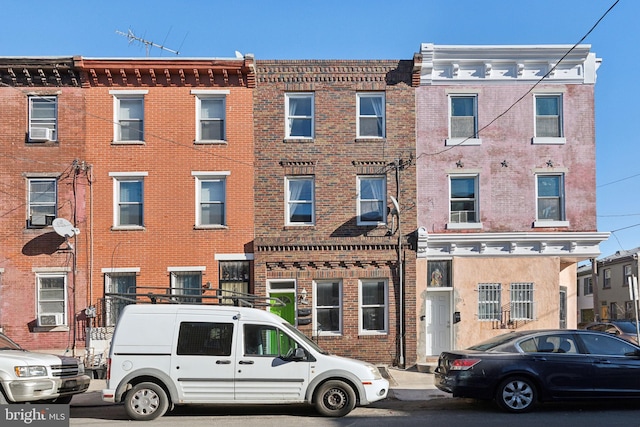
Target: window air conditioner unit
42	220
40	134
55	319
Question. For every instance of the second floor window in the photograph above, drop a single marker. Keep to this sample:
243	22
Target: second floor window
464	117
43	118
464	200
42	201
372	195
211	199
548	116
128	201
299	115
607	279
300	208
627	275
370	115
550	192
587	286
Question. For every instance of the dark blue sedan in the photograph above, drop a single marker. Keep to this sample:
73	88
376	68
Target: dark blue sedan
520	369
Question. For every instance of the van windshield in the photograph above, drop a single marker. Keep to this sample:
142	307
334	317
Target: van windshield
302	337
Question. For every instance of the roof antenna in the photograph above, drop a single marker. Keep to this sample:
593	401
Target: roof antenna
147	44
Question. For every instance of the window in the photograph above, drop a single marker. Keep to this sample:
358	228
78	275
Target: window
328	308
205	339
587	286
627	275
463	125
300	209
604	345
128	110
548	118
128	200
234	278
210	115
372	195
43	196
489	298
607	279
522	301
210	200
262	340
463	201
52	299
186	283
373	307
43	118
299	115
370	109
550	197
120	283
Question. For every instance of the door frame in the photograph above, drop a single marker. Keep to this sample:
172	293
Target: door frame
430	317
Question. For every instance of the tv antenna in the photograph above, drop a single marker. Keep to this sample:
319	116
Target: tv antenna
147	44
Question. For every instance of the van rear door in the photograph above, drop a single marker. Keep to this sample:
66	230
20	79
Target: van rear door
264	374
203	362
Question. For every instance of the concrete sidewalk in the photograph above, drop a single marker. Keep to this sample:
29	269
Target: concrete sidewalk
404	384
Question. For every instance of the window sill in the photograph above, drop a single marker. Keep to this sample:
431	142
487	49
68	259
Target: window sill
298	140
128	228
370	224
548	224
371	139
127	143
463	141
211	227
372	334
549	140
297	226
43	143
62	328
210	142
464	226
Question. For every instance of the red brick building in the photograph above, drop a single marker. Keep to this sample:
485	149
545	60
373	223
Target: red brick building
44	176
334	150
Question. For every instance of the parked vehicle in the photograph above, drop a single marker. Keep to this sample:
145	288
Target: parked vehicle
625	329
164	355
38	377
520	369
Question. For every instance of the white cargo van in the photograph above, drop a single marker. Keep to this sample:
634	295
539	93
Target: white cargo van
174	354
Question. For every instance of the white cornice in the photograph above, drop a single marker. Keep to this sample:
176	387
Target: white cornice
463	64
569	245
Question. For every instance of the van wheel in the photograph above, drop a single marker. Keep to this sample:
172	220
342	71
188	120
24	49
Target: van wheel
146	401
335	399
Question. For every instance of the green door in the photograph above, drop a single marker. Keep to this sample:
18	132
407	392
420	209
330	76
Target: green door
288	311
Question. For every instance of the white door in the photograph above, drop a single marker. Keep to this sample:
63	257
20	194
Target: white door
438	322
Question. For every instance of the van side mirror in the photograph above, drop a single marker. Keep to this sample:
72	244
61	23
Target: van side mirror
296	355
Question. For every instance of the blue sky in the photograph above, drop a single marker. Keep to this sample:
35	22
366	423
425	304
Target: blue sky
371	29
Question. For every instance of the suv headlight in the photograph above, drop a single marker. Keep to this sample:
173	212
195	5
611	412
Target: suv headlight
30	371
80	368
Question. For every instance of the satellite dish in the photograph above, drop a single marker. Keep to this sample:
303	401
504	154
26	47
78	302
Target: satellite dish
64	228
395	204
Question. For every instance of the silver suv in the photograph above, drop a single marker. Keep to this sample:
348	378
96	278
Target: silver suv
38	377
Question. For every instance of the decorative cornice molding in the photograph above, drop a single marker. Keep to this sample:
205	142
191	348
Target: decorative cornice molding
39	72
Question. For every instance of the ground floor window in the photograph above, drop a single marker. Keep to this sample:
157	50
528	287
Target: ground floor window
328	308
522	301
373	307
52	299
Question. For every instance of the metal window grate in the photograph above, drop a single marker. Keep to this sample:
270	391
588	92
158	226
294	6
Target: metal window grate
489	296
522	301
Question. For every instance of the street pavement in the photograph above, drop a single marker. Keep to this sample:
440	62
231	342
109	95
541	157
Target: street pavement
404	384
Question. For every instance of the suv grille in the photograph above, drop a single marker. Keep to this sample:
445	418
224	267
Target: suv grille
67	369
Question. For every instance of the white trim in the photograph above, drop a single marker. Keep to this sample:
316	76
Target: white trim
212	92
210	174
464	226
462	141
51	270
541	223
180	269
289	95
128	174
127	92
233	257
111	270
362	331
549	140
340	306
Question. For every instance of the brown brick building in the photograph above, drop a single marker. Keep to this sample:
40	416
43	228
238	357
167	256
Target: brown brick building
334	148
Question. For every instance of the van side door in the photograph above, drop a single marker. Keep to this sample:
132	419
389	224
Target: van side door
203	363
267	370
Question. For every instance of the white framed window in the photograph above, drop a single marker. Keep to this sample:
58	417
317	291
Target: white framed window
587	285
187	282
117	282
327	308
373	298
627	273
548	119
372	196
43	118
128	110
128	196
300	204
211	198
371	115
299	111
52	299
607	279
489	301
463	202
43	205
463	120
522	301
550	200
210	115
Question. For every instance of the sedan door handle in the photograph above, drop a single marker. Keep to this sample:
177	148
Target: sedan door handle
603	361
223	362
246	362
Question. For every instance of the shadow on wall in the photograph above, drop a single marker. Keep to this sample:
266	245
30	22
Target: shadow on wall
45	244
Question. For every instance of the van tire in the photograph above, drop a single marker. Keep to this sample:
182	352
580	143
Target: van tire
335	399
146	401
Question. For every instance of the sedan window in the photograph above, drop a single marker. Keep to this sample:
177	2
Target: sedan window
606	345
549	344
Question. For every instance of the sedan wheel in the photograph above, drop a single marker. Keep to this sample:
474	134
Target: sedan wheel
516	394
